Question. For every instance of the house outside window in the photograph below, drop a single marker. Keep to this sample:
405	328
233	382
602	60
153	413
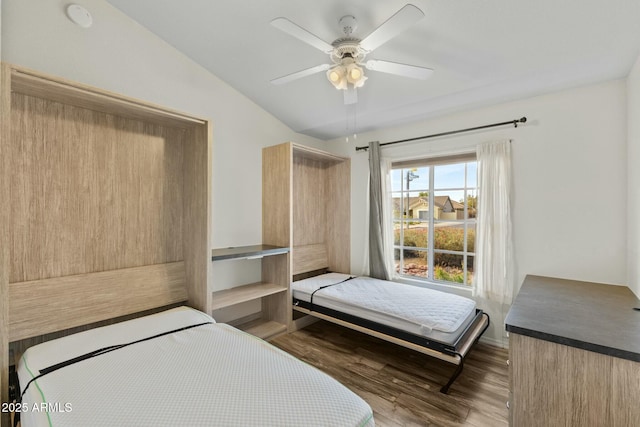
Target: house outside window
434	205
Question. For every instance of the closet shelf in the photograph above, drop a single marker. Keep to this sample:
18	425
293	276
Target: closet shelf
244	293
262	328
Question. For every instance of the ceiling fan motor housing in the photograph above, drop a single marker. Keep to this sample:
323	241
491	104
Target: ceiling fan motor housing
347	47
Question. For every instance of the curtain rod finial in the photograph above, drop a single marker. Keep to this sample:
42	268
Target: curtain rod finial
521	120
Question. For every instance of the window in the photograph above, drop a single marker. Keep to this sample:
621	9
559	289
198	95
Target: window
434	218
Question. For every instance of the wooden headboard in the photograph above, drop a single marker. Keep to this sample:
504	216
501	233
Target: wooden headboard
309	258
106	206
49	305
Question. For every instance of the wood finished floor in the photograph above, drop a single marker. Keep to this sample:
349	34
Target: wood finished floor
402	386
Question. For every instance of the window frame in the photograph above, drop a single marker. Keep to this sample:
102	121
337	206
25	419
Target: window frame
467	222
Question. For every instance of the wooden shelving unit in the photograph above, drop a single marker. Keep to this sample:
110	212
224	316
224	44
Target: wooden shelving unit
306	206
272	291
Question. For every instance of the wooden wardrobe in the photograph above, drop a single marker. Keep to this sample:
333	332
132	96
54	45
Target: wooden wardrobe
306	207
105	212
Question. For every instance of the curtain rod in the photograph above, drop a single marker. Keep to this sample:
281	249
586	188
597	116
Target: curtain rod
510	122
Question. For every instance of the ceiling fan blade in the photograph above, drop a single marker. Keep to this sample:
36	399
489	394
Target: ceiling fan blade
350	96
405	70
301	34
403	19
299	74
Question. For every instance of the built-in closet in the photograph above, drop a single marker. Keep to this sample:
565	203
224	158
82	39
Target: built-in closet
306	207
105	212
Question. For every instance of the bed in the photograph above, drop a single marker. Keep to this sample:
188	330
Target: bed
201	374
436	323
108	215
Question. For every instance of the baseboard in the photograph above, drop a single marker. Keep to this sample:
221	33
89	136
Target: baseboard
495	342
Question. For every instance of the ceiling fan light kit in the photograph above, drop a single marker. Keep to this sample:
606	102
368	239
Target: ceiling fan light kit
355	75
337	77
347	53
346	72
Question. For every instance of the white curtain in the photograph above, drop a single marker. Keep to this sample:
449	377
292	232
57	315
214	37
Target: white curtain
494	248
387	215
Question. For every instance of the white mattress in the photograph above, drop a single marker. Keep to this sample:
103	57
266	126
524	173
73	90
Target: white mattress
432	314
210	375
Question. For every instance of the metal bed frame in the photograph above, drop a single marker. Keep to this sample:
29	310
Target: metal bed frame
453	353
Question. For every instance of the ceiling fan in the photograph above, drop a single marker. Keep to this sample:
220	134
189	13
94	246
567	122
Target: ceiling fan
348	53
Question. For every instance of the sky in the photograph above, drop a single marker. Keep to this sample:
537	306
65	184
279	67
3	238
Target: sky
449	177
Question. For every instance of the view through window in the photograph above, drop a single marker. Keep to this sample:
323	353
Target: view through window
441	196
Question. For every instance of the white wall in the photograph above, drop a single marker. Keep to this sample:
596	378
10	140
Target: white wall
119	55
570	181
633	168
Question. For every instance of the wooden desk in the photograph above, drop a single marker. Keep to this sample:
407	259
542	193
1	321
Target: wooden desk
574	350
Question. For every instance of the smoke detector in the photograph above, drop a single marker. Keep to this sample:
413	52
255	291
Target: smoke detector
79	15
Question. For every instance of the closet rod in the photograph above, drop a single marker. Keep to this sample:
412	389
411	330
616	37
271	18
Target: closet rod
510	122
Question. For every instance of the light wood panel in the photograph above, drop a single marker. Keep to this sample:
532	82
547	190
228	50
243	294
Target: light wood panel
5	142
197	213
42	306
402	386
554	384
275	269
321	209
264	329
309	258
33	83
82	194
314	153
276	195
625	381
310	201
244	293
20	346
338	218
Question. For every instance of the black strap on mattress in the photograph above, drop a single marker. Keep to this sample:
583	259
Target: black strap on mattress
101	351
327	286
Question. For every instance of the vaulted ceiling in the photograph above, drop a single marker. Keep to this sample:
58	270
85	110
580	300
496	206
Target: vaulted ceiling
482	52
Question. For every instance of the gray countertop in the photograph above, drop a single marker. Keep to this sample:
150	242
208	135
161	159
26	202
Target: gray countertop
253	251
590	316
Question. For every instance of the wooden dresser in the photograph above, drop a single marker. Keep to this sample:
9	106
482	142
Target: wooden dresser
574	352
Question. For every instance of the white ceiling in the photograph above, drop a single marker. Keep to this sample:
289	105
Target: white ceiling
482	51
